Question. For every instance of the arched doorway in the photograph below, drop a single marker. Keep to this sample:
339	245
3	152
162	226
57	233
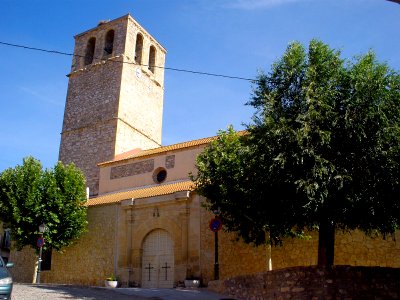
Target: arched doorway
158	260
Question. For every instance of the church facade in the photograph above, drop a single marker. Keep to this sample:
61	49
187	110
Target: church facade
146	224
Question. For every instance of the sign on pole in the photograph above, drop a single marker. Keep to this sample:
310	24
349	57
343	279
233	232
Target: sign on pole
40	242
215	224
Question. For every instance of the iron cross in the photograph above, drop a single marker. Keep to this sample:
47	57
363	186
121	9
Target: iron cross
149	268
166	270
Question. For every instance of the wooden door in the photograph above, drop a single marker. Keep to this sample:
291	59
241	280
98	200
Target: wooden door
158	260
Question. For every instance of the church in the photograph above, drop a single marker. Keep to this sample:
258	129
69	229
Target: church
146	225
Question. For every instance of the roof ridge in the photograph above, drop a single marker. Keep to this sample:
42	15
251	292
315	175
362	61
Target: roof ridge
191	143
142	187
143	192
172	147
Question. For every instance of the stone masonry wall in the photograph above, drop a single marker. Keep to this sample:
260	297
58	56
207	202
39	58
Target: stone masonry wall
131	169
296	252
142	91
140	105
89	128
113	105
99	32
357	249
92	258
133	29
86	148
128	139
351	248
237	258
87	262
25	262
93	95
340	282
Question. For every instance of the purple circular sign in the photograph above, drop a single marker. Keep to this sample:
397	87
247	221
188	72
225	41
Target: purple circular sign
215	224
40	242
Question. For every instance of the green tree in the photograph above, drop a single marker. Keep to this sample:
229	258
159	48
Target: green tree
30	196
321	153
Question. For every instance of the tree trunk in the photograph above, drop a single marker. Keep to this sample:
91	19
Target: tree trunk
326	243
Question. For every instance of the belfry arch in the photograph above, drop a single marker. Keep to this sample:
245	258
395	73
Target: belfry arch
109	43
139	48
89	54
152	59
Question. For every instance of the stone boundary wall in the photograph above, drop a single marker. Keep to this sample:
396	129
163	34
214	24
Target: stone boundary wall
92	258
314	283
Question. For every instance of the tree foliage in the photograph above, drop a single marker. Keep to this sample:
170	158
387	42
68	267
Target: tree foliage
322	152
30	196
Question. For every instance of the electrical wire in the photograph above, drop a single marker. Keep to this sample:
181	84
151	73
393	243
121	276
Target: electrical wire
127	62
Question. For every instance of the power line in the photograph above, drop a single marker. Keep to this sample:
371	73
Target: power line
127	62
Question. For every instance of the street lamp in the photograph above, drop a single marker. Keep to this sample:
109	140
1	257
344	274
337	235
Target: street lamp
42	228
40	243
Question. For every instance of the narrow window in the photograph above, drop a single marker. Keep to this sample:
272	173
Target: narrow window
139	48
109	43
152	58
90	51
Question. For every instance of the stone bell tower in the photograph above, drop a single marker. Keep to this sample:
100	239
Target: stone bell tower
115	96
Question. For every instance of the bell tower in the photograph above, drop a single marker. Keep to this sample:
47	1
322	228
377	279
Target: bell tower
115	96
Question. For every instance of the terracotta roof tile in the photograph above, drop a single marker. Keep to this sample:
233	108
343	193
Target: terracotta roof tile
127	154
150	191
183	145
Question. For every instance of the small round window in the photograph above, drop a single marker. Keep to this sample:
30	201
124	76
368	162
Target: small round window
159	175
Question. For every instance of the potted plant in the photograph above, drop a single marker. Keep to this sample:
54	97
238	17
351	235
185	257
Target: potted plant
111	281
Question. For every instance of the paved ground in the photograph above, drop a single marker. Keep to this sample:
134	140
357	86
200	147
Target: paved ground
58	292
172	294
62	292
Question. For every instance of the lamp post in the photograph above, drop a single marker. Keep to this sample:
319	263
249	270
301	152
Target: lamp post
40	243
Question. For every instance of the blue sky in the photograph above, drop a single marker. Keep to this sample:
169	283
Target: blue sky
232	37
